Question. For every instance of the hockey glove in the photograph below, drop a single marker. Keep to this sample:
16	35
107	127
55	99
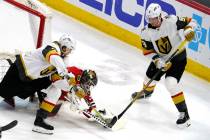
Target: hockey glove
160	63
76	98
78	91
67	76
189	33
74	102
70	78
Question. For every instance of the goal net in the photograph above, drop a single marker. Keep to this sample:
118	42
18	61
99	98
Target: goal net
25	25
27	22
6	60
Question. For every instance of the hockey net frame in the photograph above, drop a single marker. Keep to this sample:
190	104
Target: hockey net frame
7	58
40	15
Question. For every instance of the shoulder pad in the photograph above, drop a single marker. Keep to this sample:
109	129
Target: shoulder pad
56	46
145	34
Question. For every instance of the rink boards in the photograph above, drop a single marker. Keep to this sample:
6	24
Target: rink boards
124	19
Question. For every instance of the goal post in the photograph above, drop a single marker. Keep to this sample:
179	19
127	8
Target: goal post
38	24
41	29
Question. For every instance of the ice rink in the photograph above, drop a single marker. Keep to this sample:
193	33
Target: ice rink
120	69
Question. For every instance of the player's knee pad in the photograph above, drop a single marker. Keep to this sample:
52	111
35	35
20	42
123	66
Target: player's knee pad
172	85
51	99
53	94
62	84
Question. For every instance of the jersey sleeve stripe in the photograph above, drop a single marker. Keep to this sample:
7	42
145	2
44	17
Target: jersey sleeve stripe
48	51
50	54
147	52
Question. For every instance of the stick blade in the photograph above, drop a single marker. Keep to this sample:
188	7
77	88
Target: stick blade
114	120
119	124
10	125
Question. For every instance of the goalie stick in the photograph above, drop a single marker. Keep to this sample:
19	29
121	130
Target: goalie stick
97	119
8	126
117	118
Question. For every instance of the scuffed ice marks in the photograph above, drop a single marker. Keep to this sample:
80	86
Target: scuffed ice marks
115	72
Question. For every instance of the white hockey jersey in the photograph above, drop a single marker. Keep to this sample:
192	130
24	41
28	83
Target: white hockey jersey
163	41
37	64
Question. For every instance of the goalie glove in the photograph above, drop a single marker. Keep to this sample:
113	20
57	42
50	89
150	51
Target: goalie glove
78	91
74	102
103	114
76	99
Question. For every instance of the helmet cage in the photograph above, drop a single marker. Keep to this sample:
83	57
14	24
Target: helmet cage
88	80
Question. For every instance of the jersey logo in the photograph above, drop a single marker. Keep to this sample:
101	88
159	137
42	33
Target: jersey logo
163	44
182	19
78	78
144	45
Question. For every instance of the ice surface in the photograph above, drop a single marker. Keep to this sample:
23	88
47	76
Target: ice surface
120	69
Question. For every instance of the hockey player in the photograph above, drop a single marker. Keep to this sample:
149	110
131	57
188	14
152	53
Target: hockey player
160	38
30	71
85	79
80	91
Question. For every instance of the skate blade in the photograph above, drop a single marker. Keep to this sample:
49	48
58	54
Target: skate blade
184	125
120	124
42	130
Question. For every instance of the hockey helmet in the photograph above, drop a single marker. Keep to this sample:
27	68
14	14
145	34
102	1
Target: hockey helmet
88	79
152	11
67	41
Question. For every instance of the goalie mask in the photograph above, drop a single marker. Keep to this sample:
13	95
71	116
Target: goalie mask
88	80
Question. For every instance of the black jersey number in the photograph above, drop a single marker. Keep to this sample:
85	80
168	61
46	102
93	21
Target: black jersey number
48	70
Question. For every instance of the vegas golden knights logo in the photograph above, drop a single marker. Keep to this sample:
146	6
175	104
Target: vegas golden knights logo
163	45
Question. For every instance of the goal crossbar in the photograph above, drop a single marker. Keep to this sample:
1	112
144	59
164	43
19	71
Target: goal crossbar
36	13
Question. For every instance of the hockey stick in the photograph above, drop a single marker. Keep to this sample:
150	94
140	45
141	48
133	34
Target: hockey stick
99	119
116	118
8	126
